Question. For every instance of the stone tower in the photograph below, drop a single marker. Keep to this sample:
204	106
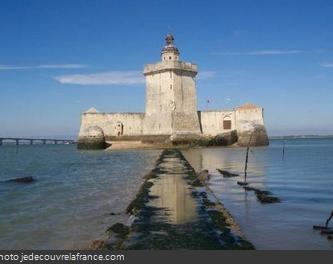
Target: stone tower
171	102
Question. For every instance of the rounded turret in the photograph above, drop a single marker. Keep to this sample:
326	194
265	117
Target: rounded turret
170	52
92	137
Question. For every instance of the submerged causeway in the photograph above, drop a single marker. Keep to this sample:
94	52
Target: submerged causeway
175	209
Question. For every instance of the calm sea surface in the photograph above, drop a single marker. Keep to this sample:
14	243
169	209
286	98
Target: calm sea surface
75	192
70	203
303	181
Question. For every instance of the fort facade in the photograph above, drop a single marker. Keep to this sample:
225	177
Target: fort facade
171	116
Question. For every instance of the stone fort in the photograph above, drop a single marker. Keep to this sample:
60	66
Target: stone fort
171	116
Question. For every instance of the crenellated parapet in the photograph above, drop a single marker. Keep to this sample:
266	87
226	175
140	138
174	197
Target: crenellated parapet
170	66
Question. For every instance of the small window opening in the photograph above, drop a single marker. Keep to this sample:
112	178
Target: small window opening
226	124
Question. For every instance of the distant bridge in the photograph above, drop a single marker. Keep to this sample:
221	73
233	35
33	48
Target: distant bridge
31	141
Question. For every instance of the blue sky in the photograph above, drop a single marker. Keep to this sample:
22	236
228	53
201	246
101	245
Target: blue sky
59	58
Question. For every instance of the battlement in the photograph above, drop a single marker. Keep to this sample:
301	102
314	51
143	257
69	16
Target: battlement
169	65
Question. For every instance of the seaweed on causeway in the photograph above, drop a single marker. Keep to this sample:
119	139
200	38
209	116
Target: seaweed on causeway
150	230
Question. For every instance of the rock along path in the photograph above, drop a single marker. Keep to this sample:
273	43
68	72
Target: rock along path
174	210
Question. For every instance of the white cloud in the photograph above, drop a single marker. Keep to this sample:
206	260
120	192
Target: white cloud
62	66
261	52
8	67
43	66
327	64
114	78
103	78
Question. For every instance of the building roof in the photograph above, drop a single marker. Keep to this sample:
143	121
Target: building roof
91	110
170	47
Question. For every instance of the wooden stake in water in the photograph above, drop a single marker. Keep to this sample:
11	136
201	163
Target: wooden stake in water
247	158
284	143
246	161
329	219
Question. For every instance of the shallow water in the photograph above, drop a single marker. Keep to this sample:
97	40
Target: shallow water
173	216
173	194
71	201
75	192
303	181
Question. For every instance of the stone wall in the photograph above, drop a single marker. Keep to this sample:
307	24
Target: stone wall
212	121
114	124
171	103
158	104
250	126
247	120
247	116
184	117
171	112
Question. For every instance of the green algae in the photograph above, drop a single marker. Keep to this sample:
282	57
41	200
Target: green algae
151	228
119	229
263	197
141	198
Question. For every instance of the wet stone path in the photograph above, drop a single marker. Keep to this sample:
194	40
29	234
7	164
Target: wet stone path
173	211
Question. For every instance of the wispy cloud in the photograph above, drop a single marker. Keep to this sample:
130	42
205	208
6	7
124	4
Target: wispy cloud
62	66
43	66
103	78
327	64
202	75
260	52
114	78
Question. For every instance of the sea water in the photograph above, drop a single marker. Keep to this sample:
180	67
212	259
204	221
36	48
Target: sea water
302	179
77	195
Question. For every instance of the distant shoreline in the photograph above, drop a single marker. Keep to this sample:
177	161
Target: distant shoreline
270	138
302	137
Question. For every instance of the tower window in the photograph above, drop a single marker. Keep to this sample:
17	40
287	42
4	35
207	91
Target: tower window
170	58
170	86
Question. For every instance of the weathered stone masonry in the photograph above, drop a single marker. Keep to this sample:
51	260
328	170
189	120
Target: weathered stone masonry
171	110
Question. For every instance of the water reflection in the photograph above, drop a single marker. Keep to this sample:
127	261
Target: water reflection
230	159
173	217
303	181
173	195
